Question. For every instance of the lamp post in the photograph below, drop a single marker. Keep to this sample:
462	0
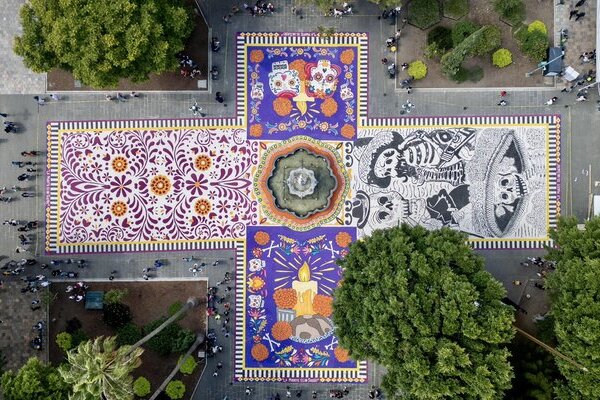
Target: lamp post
543	64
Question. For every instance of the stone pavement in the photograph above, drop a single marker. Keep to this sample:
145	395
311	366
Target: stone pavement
14	76
582	33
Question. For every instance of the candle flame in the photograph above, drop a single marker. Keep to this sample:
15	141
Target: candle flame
304	273
301	99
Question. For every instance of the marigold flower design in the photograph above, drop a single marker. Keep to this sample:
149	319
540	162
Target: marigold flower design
118	208
329	107
259	352
282	106
255	283
262	238
160	185
202	207
119	164
347	56
343	239
298	65
348	131
341	354
203	162
256	130
257	56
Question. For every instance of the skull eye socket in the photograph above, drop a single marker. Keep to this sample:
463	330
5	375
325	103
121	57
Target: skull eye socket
329	78
382	200
504	182
318	76
278	83
383	216
504	196
292	82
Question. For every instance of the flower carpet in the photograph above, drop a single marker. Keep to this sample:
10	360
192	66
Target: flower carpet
194	184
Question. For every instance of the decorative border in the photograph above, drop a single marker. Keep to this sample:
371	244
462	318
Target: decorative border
552	122
361	40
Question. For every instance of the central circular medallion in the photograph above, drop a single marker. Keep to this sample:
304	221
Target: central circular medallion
301	183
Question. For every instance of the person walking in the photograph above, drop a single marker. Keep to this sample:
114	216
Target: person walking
40	100
3	115
28	194
573	13
579	16
503	103
219	97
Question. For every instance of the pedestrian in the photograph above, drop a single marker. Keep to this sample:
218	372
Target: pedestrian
20	249
146	277
409	90
248	391
581	98
404	66
111	277
226	18
287	392
120	97
573	13
219	365
299	393
108	97
517	283
503	93
19	164
28	194
345	391
3	115
384	61
40	100
314	394
219	97
216	373
580	3
23	177
397	34
551	101
502	103
579	16
134	94
30	153
55	97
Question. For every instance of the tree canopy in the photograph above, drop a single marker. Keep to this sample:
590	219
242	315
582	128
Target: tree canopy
101	42
34	381
420	303
575	293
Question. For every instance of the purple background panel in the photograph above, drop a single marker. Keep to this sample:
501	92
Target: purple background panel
274	256
341	125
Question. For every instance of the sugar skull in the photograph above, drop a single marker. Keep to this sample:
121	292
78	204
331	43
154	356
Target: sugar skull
256	265
283	81
346	92
322	78
257	92
255	301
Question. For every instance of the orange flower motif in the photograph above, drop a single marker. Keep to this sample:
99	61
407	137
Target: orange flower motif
203	162
257	56
348	131
347	56
323	305
256	130
202	207
259	352
282	106
262	238
285	298
160	185
281	330
256	283
343	239
298	65
341	354
329	107
119	164
118	208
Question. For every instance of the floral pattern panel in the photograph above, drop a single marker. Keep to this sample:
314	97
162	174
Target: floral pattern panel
308	90
138	185
290	279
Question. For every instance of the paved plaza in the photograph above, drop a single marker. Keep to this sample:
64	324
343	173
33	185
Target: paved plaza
122	184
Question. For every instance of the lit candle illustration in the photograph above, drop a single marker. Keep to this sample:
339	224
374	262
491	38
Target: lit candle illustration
305	290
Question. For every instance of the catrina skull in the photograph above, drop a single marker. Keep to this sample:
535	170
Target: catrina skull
322	78
285	83
508	188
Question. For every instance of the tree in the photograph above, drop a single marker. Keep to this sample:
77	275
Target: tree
534	44
513	11
537	25
141	387
574	290
417	69
34	381
175	390
502	58
102	42
116	315
64	340
421	304
188	366
128	334
99	369
462	30
114	296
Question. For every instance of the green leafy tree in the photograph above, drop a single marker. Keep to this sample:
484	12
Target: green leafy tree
64	340
535	372
421	304
116	315
128	334
442	36
424	13
175	390
114	296
102	42
183	340
99	369
188	366
482	41
574	290
502	58
141	387
462	30
534	44
512	11
537	25
34	381
417	69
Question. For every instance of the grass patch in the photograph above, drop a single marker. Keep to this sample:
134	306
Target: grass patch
424	13
455	9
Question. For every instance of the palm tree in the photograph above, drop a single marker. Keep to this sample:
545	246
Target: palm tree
99	370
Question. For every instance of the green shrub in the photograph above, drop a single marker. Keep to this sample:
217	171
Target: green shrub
462	30
417	69
535	45
424	13
451	62
490	39
455	8
175	390
502	58
433	51
512	11
174	308
183	340
141	387
78	337
537	25
64	340
462	75
128	334
114	296
476	74
441	36
116	315
188	366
